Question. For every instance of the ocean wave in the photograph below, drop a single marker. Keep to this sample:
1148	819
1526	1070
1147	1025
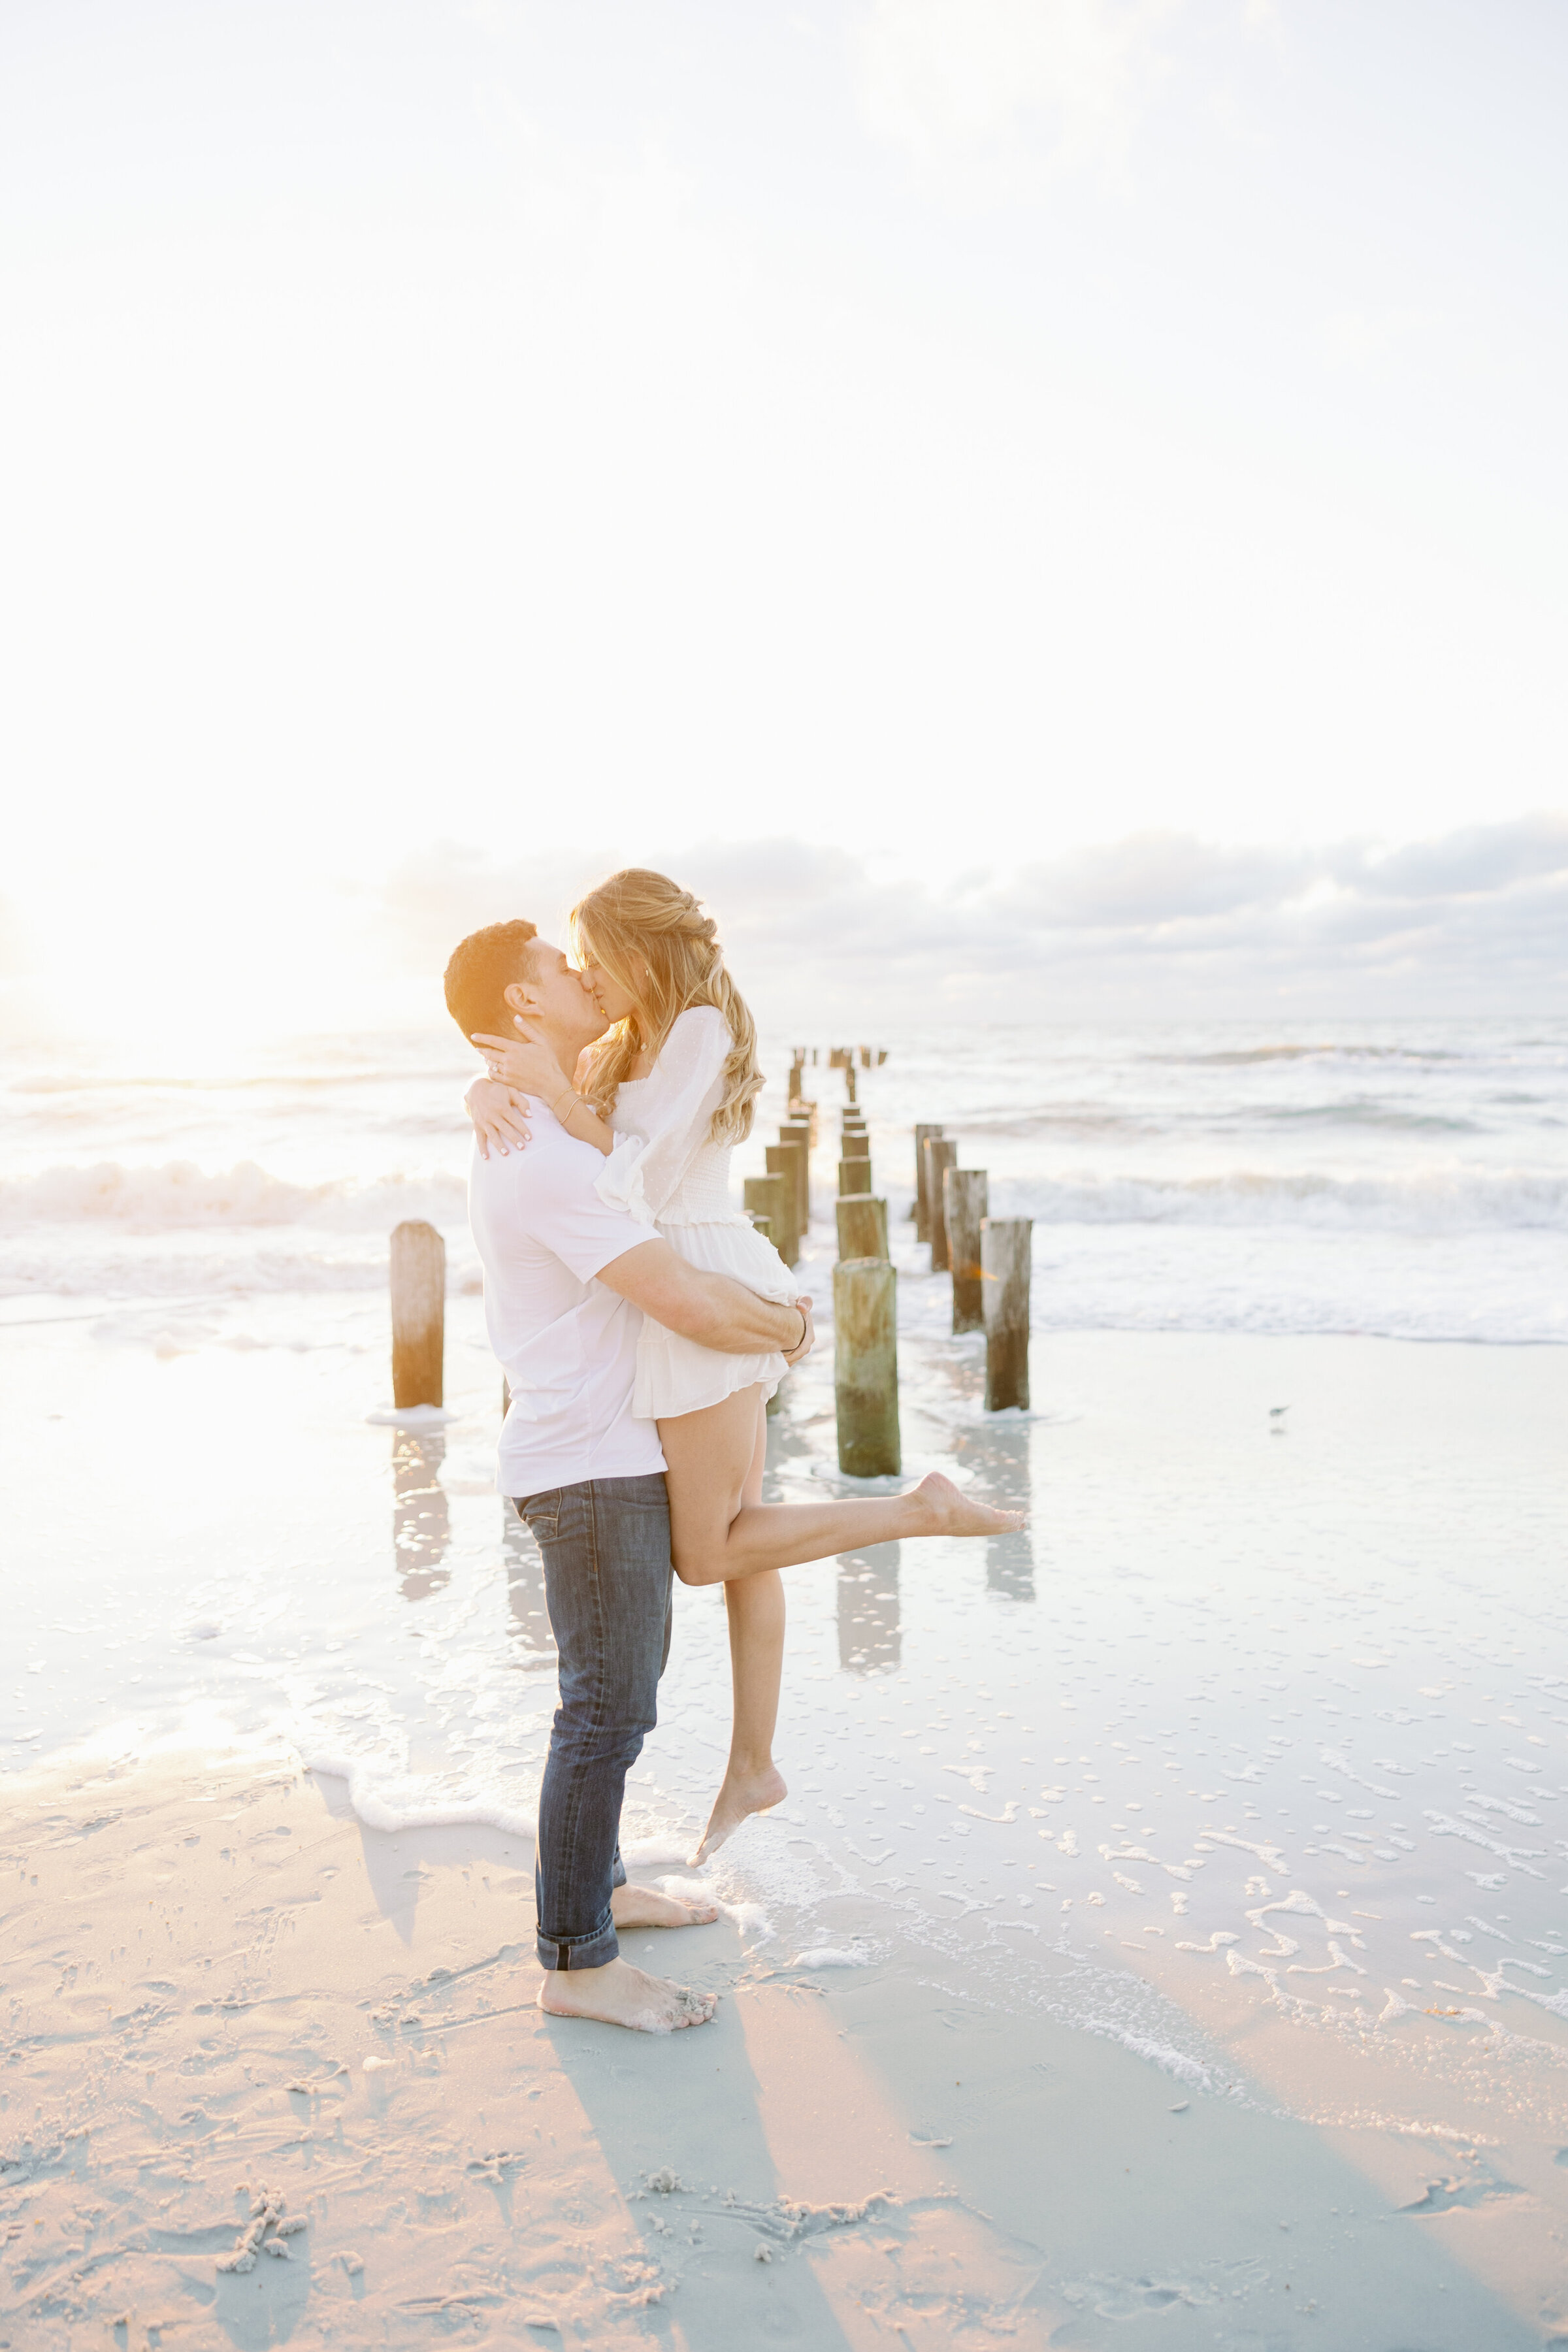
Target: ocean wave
1242	1057
178	1193
1417	1200
249	1082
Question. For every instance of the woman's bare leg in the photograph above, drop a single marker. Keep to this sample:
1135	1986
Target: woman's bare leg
755	1606
716	1532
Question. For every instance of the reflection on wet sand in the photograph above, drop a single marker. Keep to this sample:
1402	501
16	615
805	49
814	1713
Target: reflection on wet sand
421	1516
870	1640
529	1627
1009	1560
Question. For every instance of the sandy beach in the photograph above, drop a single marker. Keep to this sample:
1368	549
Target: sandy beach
222	1989
1007	2053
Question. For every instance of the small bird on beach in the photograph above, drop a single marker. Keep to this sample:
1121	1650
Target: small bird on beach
1276	1410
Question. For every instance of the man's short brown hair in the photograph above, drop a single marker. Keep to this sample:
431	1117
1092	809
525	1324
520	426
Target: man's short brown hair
482	968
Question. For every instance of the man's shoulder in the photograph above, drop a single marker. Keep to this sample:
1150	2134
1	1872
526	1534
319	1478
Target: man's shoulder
551	1166
549	1192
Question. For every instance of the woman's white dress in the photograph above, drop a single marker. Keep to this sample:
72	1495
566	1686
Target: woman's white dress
665	1167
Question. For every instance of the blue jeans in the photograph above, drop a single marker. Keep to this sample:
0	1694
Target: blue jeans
608	1586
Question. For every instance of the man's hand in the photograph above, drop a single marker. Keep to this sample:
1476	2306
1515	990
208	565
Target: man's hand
808	1337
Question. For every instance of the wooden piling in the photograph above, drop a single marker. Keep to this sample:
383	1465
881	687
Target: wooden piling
855	1144
763	1196
418	1314
1005	1255
854	1176
940	1155
964	1204
862	1226
922	1213
866	1368
804	1132
849	1080
783	1161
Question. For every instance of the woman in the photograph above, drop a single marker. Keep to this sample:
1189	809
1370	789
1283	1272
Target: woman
676	1074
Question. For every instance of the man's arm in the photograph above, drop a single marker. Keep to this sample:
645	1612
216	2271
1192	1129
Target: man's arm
708	1307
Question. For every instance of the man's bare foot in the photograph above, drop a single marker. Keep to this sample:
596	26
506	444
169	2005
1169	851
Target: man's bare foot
742	1793
645	1907
618	1994
950	1511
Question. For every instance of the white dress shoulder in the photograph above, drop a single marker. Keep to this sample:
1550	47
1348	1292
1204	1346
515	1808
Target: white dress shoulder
667	1167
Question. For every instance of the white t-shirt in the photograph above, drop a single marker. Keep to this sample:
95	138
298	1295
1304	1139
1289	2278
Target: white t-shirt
568	1346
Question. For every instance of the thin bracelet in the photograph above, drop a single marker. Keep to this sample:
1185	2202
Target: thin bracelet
555	1105
805	1327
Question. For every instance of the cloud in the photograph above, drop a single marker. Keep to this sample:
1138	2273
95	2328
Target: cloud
1158	925
946	79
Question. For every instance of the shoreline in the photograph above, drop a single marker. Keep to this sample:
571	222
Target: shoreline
1009	1763
835	2160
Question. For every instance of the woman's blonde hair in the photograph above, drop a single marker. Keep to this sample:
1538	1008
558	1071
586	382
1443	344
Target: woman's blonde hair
639	920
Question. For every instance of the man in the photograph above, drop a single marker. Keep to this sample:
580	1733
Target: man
566	1283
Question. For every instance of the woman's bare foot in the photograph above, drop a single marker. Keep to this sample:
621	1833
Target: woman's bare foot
950	1511
742	1793
618	1994
645	1907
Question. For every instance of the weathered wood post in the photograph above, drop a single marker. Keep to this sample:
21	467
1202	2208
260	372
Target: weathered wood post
1006	1249
763	1196
783	1158
922	1213
862	1226
941	1154
855	1144
965	1192
418	1313
854	1176
865	1367
849	1080
801	1131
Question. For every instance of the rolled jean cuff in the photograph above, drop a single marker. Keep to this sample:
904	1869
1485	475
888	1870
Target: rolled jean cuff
572	1952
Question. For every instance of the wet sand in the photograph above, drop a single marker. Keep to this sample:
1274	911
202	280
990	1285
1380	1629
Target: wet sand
220	1987
1132	1946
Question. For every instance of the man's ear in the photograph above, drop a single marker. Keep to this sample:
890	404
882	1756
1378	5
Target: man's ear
518	997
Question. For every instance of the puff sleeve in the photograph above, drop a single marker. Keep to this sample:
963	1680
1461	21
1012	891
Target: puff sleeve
678	1101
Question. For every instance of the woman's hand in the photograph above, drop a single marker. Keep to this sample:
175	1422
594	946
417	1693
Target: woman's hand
532	1068
499	1117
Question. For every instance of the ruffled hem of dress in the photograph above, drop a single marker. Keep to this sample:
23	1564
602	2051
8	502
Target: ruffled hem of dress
739	1373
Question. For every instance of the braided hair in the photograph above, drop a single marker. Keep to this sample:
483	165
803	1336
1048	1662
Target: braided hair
639	918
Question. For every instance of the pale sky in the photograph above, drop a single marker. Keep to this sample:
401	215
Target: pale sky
951	437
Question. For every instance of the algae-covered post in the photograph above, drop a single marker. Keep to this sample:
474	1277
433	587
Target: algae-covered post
866	1368
1005	1251
923	1211
418	1313
941	1153
763	1196
802	1130
862	1225
965	1203
783	1158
